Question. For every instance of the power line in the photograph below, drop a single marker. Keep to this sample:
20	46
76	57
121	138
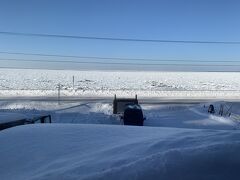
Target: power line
116	39
117	58
117	63
64	68
13	67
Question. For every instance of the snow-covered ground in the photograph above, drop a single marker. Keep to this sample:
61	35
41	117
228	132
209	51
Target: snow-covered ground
27	82
192	116
86	141
70	151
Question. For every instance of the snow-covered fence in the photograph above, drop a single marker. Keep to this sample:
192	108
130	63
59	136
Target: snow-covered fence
235	116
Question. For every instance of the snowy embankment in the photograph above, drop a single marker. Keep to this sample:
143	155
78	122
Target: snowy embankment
117	152
8	117
42	83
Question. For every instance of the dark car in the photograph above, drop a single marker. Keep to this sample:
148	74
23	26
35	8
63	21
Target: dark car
133	115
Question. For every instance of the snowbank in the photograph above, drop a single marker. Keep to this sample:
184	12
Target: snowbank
8	117
70	151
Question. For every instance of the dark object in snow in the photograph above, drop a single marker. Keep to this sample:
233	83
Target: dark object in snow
9	124
221	110
211	109
119	104
40	119
133	115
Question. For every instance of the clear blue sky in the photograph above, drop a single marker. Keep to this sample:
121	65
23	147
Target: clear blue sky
206	20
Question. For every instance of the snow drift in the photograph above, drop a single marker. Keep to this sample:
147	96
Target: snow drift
71	151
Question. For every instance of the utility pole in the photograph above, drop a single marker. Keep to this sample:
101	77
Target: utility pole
73	82
59	88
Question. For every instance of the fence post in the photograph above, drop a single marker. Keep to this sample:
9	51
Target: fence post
115	104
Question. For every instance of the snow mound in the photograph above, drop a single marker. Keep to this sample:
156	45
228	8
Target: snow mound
70	151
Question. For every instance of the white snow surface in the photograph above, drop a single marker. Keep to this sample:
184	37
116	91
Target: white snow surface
70	151
27	82
192	116
86	141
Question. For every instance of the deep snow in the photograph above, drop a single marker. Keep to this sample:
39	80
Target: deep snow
64	151
85	141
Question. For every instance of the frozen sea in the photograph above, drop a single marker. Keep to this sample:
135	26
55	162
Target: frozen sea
29	82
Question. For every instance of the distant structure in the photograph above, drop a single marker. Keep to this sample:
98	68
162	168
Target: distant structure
211	109
119	104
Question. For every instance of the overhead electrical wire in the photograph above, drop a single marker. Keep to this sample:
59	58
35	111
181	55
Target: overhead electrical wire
117	39
116	58
115	63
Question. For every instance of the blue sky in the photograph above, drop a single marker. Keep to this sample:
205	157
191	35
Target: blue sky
206	20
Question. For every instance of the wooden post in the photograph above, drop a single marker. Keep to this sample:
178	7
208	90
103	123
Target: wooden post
115	104
136	100
59	88
73	82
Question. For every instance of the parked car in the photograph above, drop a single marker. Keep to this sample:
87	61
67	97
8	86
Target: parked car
133	115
